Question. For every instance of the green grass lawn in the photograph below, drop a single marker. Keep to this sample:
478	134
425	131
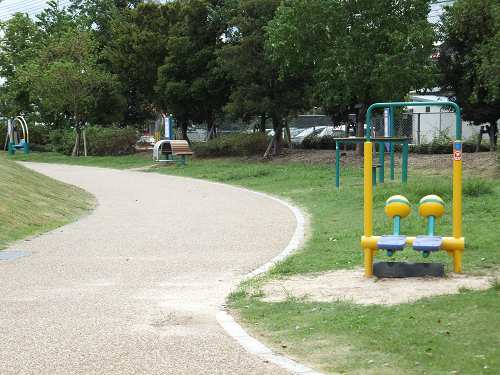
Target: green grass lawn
33	204
435	335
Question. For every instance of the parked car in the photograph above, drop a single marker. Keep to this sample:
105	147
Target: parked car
330	130
308	131
147	140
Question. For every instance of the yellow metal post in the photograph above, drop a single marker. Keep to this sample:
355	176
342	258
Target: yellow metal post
457	189
368	262
368	207
457	203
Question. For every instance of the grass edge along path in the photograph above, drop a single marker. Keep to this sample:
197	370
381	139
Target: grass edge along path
341	337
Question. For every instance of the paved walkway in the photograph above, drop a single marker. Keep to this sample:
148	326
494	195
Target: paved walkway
133	288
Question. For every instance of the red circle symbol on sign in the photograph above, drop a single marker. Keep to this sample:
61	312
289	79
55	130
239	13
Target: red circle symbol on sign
457	155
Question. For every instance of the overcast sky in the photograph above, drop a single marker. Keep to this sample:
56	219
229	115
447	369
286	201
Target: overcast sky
34	7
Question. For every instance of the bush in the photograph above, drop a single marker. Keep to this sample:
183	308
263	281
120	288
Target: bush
244	144
39	137
327	142
101	141
111	141
443	144
62	141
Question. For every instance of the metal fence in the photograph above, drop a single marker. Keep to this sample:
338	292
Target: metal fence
424	127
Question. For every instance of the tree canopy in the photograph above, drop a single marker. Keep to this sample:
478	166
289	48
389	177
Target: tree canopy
66	76
206	60
364	51
190	82
468	63
259	87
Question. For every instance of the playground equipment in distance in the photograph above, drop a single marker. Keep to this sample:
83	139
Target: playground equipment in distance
24	143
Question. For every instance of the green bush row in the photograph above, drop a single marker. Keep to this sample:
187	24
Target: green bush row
244	144
101	141
327	142
442	144
110	141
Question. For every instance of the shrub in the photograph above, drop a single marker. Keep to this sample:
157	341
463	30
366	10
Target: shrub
443	144
101	141
62	141
111	141
327	142
313	142
39	137
244	144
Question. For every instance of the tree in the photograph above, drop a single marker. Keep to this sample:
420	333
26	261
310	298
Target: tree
260	88
468	31
20	34
66	76
364	51
99	15
138	49
118	103
191	85
20	45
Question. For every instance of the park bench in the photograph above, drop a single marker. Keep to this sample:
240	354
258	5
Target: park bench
171	148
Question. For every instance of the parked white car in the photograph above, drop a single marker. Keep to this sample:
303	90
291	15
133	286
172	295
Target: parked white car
308	131
330	130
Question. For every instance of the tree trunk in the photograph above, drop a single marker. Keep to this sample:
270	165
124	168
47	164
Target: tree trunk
278	130
184	128
82	125
211	128
360	127
263	119
480	139
492	132
76	149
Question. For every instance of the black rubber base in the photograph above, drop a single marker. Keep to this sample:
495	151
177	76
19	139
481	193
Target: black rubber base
407	269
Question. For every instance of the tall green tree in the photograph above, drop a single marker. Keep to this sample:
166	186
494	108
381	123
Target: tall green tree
115	104
20	35
138	49
467	61
21	42
364	51
260	88
66	76
191	85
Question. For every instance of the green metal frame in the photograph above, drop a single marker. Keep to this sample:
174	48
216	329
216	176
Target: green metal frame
458	130
381	156
458	134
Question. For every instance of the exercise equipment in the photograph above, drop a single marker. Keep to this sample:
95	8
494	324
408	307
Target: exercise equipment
24	142
430	207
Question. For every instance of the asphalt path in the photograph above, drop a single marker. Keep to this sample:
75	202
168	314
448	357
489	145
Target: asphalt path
134	287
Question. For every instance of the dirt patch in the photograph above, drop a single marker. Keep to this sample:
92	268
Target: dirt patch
480	164
352	285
